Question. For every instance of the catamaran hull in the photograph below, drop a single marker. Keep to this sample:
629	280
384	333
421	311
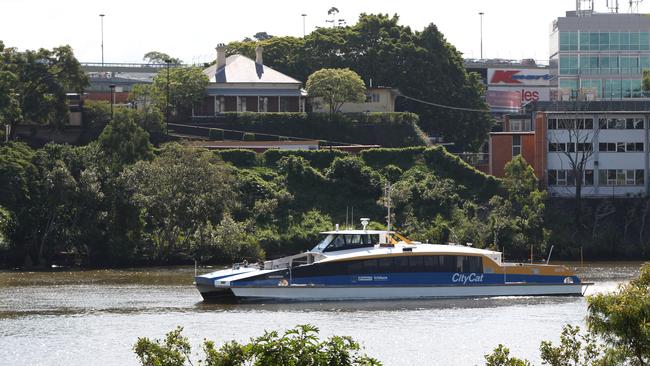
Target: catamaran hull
313	293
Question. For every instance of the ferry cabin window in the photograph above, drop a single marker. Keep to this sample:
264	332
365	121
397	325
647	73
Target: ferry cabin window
400	264
351	241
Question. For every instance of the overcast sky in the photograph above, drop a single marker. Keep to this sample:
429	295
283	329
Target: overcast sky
190	29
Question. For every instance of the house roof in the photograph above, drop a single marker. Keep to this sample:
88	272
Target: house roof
241	69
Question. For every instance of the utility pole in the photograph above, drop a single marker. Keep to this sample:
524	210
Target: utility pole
481	15
101	16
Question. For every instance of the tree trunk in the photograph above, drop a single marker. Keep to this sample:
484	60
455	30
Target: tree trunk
578	208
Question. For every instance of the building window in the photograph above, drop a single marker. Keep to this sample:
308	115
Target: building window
636	123
263	104
569	66
567	178
621	177
218	105
568	41
516	145
242	104
621	146
516	125
561	177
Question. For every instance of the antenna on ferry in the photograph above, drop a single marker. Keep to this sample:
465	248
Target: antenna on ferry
346	216
387	201
352	219
364	222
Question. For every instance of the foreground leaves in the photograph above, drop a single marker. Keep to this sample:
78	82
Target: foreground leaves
297	346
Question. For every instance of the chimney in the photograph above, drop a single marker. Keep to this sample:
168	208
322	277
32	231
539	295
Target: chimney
258	55
221	55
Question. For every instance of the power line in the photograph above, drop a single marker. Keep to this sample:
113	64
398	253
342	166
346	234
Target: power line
328	142
445	106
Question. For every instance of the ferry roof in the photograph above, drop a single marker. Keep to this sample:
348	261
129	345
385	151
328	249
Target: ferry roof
356	231
398	248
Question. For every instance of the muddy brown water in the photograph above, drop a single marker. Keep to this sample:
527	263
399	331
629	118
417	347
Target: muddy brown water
94	317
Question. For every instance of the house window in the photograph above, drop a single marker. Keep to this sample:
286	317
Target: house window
516	145
263	104
516	125
219	105
242	104
284	105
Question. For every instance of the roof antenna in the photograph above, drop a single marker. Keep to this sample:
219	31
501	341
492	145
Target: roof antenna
387	202
364	223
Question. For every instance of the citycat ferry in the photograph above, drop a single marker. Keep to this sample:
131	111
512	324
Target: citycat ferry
372	264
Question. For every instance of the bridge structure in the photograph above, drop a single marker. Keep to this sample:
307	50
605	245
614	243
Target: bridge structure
121	67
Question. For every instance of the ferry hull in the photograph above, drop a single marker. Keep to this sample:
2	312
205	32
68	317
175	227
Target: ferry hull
313	293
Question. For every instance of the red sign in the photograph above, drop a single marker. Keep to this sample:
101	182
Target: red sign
504	76
519	76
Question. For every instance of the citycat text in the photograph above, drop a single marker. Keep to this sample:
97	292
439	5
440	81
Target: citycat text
466	277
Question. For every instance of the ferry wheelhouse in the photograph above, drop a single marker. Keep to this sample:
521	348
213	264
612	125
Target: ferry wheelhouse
372	264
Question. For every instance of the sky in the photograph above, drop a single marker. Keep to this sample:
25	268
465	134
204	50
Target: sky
190	29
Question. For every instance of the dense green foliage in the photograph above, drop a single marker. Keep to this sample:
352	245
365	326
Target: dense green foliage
118	201
385	129
617	332
335	87
296	347
421	64
185	87
33	85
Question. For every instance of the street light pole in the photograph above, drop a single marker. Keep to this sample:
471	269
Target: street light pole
303	25
167	61
481	14
112	86
101	16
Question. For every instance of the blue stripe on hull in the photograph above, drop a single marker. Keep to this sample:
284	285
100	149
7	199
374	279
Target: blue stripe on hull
411	279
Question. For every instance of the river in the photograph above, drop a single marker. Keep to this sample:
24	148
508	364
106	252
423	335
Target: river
94	317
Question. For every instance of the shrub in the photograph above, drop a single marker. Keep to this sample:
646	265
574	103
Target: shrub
319	159
298	346
451	166
404	158
215	134
239	157
249	136
385	129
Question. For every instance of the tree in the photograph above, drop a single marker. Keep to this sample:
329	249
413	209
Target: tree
150	117
298	346
176	194
186	88
33	85
262	36
501	357
155	57
124	142
617	331
646	81
580	133
335	87
527	203
621	319
421	64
